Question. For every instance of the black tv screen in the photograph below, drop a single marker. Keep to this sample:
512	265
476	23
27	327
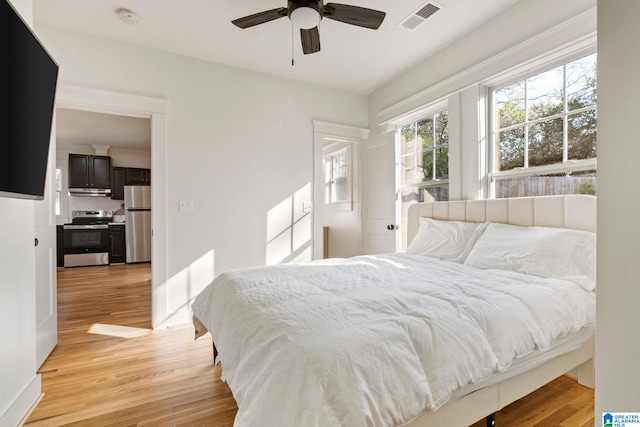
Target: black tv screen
29	96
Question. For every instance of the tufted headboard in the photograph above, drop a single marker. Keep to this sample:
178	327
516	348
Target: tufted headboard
577	211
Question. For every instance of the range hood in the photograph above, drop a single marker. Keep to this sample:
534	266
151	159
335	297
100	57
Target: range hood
89	192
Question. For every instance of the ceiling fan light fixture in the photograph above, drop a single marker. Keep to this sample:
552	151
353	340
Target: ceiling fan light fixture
305	17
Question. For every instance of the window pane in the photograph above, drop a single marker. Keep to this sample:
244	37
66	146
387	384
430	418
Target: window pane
425	132
545	94
545	143
339	192
509	105
582	135
439	193
442	162
427	165
407	139
423	155
549	185
58	205
442	128
58	179
581	83
340	165
511	148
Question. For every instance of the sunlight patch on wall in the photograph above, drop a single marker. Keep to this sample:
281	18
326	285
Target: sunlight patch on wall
186	284
289	228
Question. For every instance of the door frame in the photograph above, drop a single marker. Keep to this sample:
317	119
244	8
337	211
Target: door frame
155	109
46	301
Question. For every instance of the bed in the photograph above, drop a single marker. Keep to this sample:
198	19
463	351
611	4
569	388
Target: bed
493	299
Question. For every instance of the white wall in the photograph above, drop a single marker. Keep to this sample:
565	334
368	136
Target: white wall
20	385
240	144
618	311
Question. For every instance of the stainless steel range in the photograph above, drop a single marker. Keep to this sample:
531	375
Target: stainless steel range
86	239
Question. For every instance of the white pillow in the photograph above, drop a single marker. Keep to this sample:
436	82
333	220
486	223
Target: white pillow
445	240
540	251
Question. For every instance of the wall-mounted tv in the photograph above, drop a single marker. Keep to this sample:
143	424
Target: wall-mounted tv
29	96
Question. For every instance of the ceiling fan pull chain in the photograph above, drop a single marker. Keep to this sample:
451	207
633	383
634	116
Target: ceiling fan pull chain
292	50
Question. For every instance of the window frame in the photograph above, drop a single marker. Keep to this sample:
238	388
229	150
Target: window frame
523	73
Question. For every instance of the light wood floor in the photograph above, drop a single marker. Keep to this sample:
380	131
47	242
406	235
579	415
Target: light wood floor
111	369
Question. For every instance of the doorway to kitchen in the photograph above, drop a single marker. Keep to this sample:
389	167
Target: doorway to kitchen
100	159
154	110
103	194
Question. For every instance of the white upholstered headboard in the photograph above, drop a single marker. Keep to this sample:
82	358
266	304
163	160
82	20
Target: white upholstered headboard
576	211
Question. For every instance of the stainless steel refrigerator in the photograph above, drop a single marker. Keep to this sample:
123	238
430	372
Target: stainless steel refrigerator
137	223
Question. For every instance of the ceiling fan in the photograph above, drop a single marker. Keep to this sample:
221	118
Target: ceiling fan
306	15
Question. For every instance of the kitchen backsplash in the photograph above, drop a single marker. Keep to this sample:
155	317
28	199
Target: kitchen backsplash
78	203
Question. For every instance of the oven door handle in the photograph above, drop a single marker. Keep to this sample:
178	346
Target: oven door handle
85	227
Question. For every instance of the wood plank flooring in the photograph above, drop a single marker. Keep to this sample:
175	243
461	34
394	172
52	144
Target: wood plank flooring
110	369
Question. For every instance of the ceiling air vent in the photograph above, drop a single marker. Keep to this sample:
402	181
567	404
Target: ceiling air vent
414	20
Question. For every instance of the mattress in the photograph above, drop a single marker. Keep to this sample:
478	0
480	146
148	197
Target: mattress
532	360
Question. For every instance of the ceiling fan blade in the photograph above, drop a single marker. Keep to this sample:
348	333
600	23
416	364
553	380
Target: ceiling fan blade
310	40
354	15
260	18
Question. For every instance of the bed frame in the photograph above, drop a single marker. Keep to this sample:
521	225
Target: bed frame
574	212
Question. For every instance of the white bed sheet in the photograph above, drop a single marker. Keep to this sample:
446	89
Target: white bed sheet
376	340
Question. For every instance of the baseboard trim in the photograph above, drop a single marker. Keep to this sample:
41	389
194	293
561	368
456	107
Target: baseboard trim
21	408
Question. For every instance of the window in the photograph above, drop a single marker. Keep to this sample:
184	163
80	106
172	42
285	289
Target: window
337	162
338	190
423	164
544	132
58	191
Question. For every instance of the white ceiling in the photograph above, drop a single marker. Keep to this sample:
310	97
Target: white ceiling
77	127
352	58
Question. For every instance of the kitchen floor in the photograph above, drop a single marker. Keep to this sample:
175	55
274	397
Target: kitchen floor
111	368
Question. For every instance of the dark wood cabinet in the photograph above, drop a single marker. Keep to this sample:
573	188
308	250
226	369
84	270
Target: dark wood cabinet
121	176
137	176
117	245
87	171
59	246
118	176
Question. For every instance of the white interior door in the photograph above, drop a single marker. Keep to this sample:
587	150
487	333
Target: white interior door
380	193
45	253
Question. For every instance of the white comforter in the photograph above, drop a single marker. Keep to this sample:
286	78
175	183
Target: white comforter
375	340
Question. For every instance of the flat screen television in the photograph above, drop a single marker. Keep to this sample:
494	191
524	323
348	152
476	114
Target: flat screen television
29	98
